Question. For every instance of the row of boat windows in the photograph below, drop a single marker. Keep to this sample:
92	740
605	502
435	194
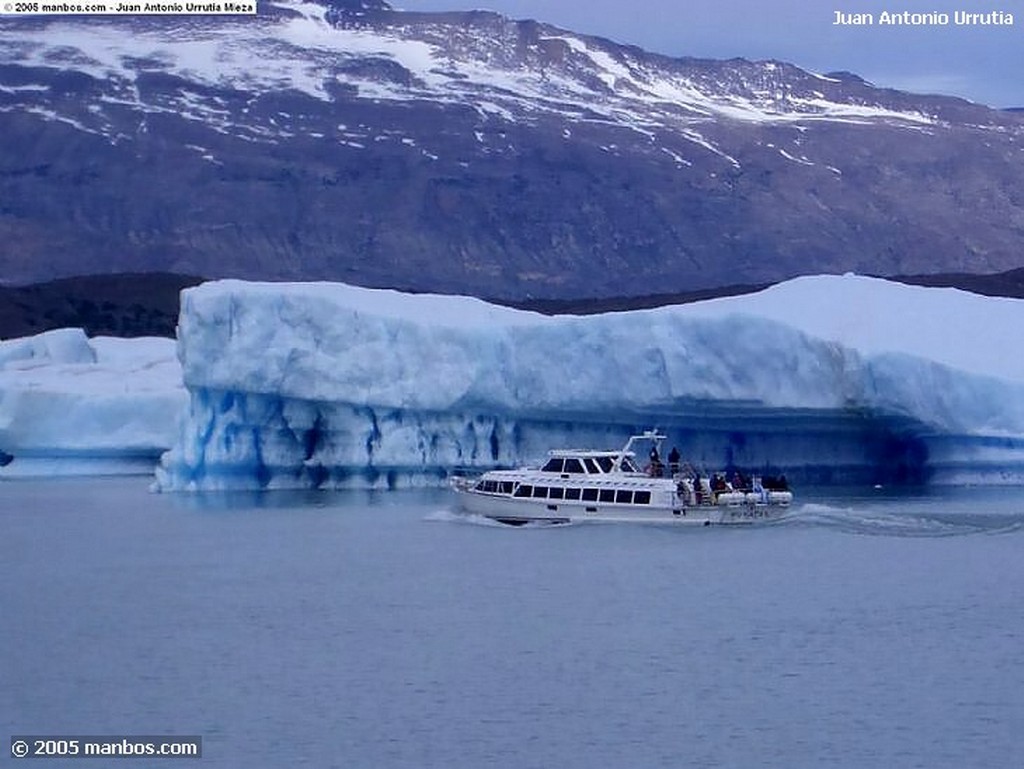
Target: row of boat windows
593	465
495	487
619	496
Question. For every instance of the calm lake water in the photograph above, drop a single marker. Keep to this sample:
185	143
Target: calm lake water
383	630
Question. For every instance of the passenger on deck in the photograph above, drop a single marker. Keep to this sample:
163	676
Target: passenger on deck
673	461
740	482
655	462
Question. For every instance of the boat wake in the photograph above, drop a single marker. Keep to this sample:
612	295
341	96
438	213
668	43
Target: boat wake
874	521
471	519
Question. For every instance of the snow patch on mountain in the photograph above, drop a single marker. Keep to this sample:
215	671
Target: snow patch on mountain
401	58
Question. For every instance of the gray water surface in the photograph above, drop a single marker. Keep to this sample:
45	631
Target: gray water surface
384	630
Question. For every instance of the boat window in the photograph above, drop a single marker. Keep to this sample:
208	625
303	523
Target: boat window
606	495
641	498
573	465
554	465
506	487
572	493
524	490
624	496
605	463
540	491
591	466
480	485
590	495
629	466
556	493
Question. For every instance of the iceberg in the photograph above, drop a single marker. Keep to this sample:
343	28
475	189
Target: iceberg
831	379
72	405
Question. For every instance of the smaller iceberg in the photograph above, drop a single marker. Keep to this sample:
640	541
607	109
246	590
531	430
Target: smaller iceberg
71	405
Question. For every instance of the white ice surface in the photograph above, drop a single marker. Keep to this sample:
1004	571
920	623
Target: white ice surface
966	331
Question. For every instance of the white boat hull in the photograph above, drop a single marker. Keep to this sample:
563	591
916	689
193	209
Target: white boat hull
515	511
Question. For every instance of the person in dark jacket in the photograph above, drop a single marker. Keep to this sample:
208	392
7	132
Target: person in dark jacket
673	460
655	462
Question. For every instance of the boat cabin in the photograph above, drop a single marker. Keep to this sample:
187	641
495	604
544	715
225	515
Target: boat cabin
589	463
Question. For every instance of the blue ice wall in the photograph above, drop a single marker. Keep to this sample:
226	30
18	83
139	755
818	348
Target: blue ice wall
332	386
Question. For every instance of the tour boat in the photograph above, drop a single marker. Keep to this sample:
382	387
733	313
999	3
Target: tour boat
584	484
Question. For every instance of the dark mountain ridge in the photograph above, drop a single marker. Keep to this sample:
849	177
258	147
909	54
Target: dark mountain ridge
469	153
147	304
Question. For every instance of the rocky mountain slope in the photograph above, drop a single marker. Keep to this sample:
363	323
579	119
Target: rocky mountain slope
469	153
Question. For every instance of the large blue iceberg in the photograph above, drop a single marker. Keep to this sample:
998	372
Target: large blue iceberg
831	379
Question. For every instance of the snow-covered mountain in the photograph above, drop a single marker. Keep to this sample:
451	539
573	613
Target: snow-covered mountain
469	153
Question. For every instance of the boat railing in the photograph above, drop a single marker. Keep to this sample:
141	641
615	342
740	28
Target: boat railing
647	435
